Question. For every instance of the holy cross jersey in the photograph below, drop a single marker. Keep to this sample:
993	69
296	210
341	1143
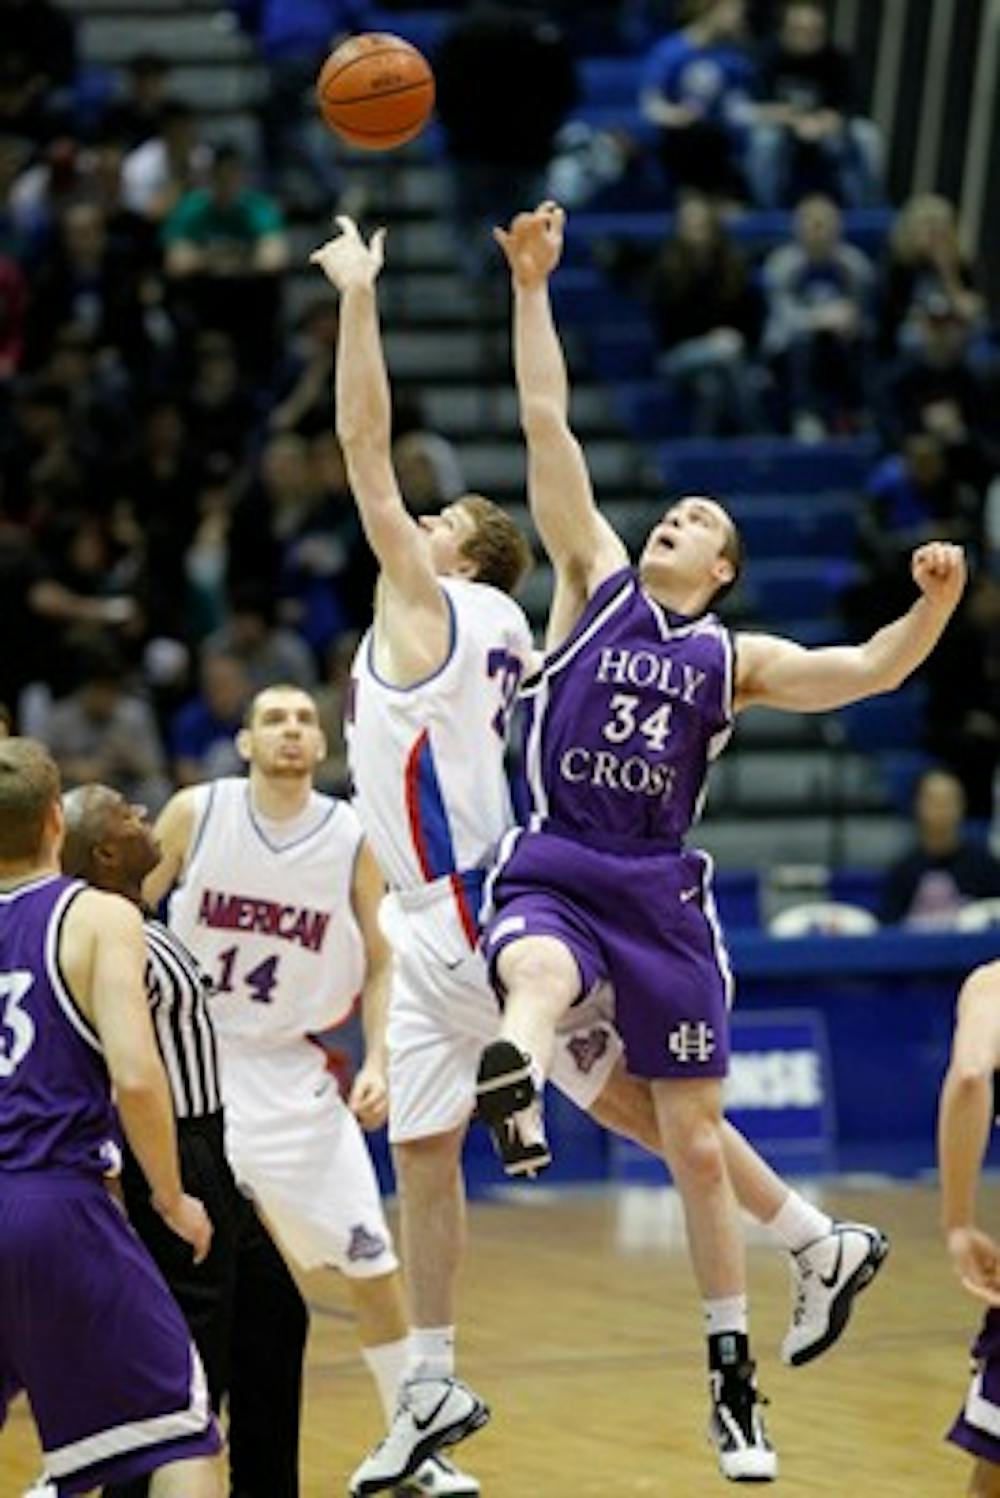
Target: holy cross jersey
427	761
55	1093
272	926
624	719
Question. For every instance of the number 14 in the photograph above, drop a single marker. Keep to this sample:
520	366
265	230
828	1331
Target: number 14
261	980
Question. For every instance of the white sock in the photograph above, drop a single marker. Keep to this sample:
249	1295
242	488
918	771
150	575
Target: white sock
728	1315
432	1352
799	1223
387	1366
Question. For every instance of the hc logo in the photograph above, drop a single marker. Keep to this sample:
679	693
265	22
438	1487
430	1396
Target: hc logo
692	1042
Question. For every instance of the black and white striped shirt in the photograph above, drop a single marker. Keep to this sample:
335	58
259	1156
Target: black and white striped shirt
178	991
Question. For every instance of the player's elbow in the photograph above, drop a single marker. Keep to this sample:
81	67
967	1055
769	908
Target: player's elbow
137	1078
542	417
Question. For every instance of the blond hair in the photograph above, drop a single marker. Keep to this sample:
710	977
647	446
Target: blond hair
29	785
500	551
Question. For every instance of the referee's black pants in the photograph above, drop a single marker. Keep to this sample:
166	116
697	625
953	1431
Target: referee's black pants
246	1315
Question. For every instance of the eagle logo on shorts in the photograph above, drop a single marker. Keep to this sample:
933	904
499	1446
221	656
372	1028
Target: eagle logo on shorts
364	1245
588	1049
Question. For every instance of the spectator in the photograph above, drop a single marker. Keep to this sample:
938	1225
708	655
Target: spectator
929	885
696	89
915	497
428	470
94	282
707	319
805	137
818	292
926	266
6	721
226	249
13	307
499	149
268	652
936	371
306	378
203	731
911	496
139	112
293	38
331	699
206	561
158	173
37	67
963	702
103	731
220	409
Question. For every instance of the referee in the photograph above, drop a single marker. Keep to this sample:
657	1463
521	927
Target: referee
246	1315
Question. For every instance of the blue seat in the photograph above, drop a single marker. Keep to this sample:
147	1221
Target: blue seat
894	721
422	28
767	465
799	525
610	80
806	587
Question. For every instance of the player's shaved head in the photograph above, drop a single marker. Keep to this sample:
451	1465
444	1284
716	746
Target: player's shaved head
88	811
29	787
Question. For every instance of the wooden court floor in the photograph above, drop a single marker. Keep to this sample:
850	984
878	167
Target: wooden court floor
581	1328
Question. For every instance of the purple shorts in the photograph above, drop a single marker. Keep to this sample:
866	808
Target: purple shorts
977	1426
646	923
90	1331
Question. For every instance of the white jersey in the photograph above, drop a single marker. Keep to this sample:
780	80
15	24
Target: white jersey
427	761
273	926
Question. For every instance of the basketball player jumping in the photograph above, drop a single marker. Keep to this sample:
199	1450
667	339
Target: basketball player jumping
433	682
277	896
965	1117
636	697
87	1326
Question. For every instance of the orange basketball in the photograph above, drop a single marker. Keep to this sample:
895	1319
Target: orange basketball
376	91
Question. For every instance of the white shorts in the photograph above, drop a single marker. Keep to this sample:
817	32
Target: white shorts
297	1149
443	1011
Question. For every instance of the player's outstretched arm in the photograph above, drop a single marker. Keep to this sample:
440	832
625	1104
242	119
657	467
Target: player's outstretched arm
174	831
364	418
965	1117
576	536
369	1099
773	672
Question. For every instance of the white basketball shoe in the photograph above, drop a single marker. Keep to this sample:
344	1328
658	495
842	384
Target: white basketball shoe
438	1478
736	1426
432	1412
826	1277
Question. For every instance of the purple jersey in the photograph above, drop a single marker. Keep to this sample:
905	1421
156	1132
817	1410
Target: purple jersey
55	1094
624	719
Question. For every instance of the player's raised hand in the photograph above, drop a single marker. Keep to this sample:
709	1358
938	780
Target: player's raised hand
188	1219
369	1099
939	572
533	244
976	1260
346	260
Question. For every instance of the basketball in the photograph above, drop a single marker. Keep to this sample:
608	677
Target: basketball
376	91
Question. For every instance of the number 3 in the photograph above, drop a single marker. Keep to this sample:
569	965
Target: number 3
17	1028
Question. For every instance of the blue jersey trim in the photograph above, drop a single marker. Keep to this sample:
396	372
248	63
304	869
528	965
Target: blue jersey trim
424	680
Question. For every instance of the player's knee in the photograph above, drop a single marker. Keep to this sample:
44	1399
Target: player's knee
427	1164
541	967
697	1155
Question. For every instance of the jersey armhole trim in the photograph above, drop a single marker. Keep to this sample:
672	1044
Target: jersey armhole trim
53	967
424	681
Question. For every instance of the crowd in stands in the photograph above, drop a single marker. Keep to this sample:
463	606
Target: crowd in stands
175	525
